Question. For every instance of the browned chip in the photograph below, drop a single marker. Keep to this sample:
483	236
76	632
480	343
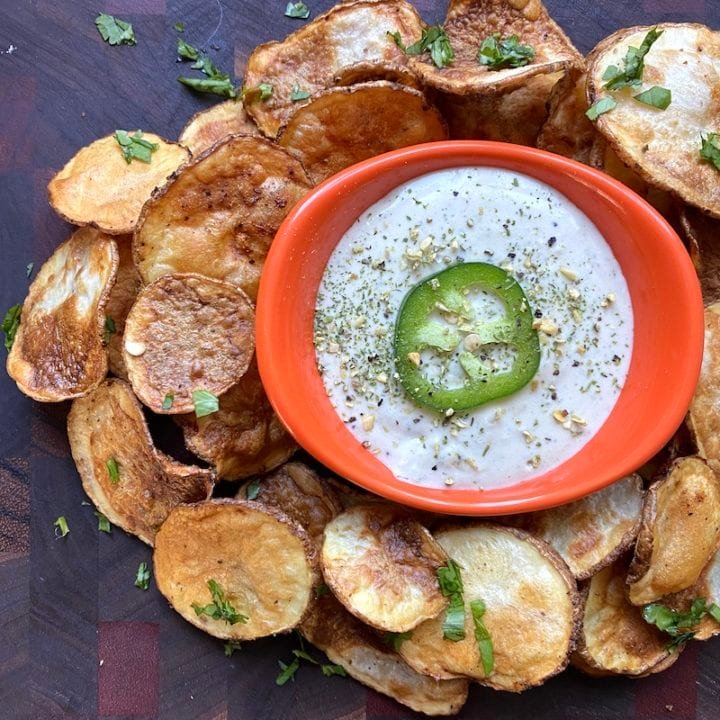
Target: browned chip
382	566
259	559
98	187
663	146
362	72
244	437
470	22
187	333
58	351
300	493
344	125
702	234
130	482
219	215
207	127
365	657
613	638
680	531
121	298
309	59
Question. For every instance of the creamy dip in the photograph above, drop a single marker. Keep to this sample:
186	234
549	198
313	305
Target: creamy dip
576	290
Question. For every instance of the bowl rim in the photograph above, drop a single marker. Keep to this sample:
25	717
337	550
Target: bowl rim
287	248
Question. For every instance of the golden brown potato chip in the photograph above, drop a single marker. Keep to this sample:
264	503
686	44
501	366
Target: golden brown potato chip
704	414
365	657
679	533
702	234
591	532
244	437
613	638
121	298
663	146
531	605
381	564
131	482
207	127
309	59
470	22
300	493
260	561
187	333
344	125
362	72
98	187
219	215
58	351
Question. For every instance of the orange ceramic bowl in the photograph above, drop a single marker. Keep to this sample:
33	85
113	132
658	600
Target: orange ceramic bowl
667	308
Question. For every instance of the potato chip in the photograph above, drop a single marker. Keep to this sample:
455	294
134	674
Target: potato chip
300	493
131	482
362	72
344	125
258	560
121	298
703	417
382	566
531	606
679	533
207	127
58	351
308	59
365	657
244	437
702	233
184	334
663	146
591	532
614	639
219	215
98	187
470	22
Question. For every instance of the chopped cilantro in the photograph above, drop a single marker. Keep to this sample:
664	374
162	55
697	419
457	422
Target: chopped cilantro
220	608
678	624
396	639
433	40
450	579
168	400
114	31
61	527
497	53
656	96
287	672
330	670
263	92
108	330
231	646
297	10
135	147
10	325
302	654
113	468
187	51
223	88
142	577
709	150
600	107
205	403
180	26
477	607
453	626
298	94
216	82
103	523
253	489
633	64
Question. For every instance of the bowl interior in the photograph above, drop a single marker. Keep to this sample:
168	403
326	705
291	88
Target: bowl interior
665	294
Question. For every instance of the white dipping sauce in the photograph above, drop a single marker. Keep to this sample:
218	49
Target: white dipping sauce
574	286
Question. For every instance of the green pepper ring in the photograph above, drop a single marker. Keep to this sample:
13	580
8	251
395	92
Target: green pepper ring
412	321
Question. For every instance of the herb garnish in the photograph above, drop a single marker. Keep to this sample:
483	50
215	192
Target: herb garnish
113	468
168	400
219	608
103	523
114	31
435	40
678	624
330	670
10	325
633	64
135	147
497	53
142	577
216	82
396	639
709	150
187	51
298	94
253	489
223	88
109	330
451	587
61	526
287	672
297	10
263	92
180	26
482	636
205	403
231	646
656	96
600	107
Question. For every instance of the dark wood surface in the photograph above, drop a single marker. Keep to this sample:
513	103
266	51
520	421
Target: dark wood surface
77	639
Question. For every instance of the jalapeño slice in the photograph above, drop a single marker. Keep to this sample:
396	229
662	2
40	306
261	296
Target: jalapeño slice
438	315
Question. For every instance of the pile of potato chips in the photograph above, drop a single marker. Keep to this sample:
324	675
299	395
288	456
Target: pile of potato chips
157	286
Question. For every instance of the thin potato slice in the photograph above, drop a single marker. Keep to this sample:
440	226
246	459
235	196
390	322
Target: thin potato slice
703	236
382	566
187	333
362	72
121	298
614	639
58	351
663	146
98	187
470	22
108	427
590	533
207	127
531	609
244	437
312	56
365	657
261	560
680	531
219	215
344	125
300	493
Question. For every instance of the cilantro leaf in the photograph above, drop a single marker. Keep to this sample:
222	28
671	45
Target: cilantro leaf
484	641
303	655
187	51
109	330
61	527
103	523
675	623
113	468
453	626
714	612
223	88
263	92
449	579
709	150
656	96
330	670
497	52
297	10
168	400
209	68
135	147
205	403
231	646
398	40
600	107
396	639
180	26
435	40
253	489
10	325
142	577
298	94
633	64
220	608
114	31
287	672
